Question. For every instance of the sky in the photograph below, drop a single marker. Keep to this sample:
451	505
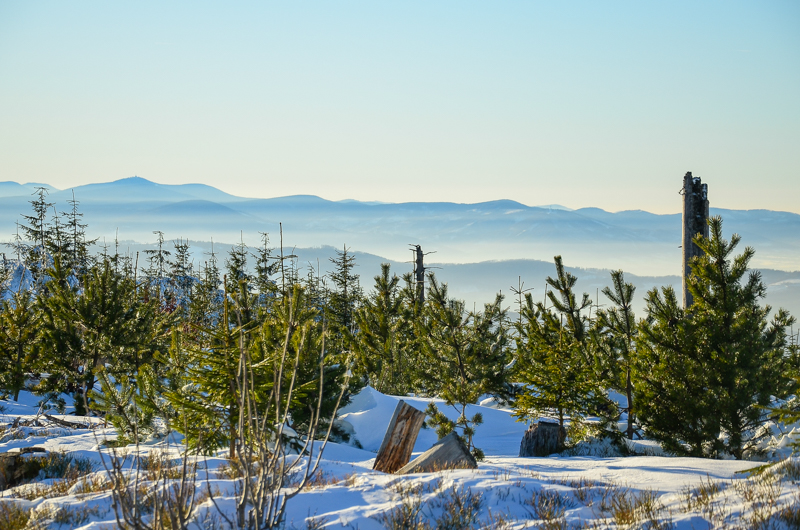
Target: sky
602	104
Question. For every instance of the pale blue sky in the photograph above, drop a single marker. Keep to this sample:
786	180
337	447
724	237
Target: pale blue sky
580	103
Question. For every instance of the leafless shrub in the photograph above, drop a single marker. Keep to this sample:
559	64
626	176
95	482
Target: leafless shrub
652	511
57	488
503	474
13	516
153	495
582	489
789	468
460	509
790	514
607	494
92	484
701	496
321	479
150	493
497	521
549	505
70	516
408	514
761	492
314	523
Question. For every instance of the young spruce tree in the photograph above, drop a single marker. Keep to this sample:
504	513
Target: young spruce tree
614	337
708	373
553	357
383	340
466	355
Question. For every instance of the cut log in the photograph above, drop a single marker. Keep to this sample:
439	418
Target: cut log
398	442
447	453
543	439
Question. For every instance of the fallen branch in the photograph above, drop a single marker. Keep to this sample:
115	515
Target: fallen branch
67	424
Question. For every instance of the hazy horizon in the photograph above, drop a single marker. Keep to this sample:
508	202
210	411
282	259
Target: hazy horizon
378	200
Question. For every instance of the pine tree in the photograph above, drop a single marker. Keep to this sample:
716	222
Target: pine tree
614	335
236	269
343	299
5	274
553	359
129	403
346	293
315	287
466	356
280	353
156	271
383	338
267	266
552	365
39	232
564	301
19	335
102	322
297	329
17	245
205	304
59	244
75	231
215	366
708	372
181	275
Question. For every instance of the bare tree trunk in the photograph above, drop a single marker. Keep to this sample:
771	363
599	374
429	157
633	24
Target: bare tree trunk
695	222
419	273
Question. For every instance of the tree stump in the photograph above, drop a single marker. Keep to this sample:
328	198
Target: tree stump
543	439
398	442
447	453
16	466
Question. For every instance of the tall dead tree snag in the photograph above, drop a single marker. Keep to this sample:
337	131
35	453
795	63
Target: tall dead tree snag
419	272
695	221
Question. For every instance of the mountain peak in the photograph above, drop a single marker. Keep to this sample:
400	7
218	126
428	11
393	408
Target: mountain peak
136	181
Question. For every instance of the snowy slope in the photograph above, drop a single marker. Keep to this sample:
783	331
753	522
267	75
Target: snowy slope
506	491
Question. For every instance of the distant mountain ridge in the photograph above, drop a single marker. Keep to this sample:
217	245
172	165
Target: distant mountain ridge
634	240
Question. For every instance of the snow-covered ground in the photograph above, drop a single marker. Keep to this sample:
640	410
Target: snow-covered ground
505	491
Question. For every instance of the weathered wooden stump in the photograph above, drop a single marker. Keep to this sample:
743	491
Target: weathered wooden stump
447	453
398	442
543	439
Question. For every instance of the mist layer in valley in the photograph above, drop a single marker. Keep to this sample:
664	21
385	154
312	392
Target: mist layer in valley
478	249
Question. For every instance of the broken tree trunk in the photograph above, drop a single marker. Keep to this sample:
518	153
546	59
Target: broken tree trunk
419	273
398	442
543	439
695	222
447	453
